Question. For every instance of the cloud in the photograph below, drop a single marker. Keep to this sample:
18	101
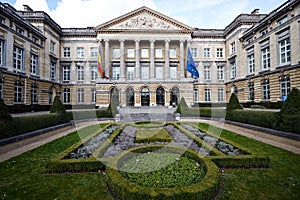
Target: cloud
38	5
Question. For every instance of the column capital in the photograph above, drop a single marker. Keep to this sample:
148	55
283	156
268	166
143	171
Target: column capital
167	41
152	41
121	40
106	40
137	40
182	40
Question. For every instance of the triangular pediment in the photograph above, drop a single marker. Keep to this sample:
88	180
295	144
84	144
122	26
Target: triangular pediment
143	19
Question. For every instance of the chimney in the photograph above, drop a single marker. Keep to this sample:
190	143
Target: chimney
255	11
27	8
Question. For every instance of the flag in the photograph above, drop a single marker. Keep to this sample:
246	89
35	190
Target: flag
190	65
100	64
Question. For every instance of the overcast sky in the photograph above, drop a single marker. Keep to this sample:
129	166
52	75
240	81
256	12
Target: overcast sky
195	13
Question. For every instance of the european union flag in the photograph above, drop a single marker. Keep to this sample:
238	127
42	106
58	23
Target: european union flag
190	65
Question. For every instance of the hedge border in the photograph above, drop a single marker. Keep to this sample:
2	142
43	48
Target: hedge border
124	189
61	165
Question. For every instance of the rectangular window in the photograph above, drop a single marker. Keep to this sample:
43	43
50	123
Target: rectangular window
116	53
232	70
52	70
94	73
251	64
80	73
207	94
80	52
66	52
66	95
285	51
265	58
159	71
145	71
285	86
66	73
1	88
282	21
172	53
251	91
115	71
173	70
194	52
94	52
93	95
158	53
206	53
266	89
144	53
207	76
219	52
196	96
33	64
80	95
130	73
18	92
18	59
232	48
130	53
52	46
220	72
1	53
34	94
220	94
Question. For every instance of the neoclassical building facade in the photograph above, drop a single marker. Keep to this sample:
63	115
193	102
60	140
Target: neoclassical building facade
257	56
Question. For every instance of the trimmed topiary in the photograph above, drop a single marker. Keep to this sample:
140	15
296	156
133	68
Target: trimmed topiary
289	116
182	106
4	114
112	108
233	103
57	106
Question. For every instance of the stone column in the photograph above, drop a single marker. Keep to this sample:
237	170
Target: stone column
167	59
122	60
137	59
152	59
181	62
106	64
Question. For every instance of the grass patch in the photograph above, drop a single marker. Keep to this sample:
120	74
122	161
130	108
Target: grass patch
151	135
162	170
23	177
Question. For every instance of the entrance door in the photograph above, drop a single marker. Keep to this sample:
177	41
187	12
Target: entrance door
129	97
160	96
145	97
174	96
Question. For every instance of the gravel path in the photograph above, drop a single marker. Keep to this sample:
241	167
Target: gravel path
14	149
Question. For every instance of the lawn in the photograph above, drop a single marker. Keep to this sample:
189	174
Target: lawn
24	177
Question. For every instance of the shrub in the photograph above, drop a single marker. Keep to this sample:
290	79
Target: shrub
257	118
233	103
57	106
25	124
4	114
182	106
289	116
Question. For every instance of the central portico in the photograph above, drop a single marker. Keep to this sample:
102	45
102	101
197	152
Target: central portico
144	58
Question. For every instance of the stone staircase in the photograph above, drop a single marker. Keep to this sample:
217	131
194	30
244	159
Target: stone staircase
157	113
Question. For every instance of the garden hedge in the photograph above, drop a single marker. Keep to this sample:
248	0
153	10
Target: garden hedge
124	189
60	164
